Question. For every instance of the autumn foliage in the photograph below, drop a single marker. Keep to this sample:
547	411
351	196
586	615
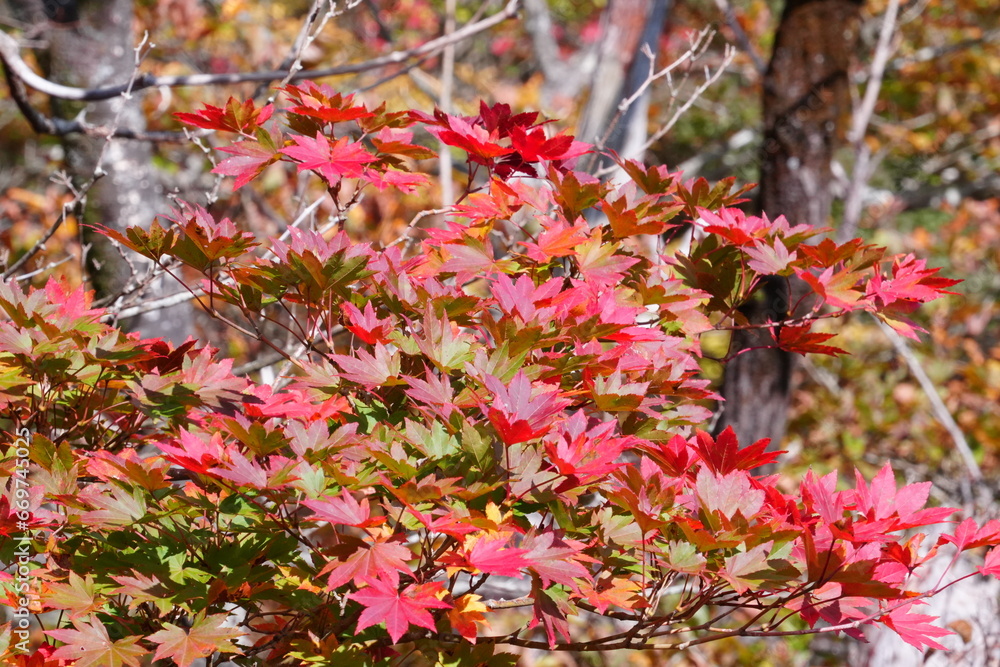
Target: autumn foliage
514	399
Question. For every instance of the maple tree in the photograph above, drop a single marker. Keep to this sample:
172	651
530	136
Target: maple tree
515	399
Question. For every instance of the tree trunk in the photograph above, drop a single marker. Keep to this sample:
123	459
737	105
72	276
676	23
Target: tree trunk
806	103
91	43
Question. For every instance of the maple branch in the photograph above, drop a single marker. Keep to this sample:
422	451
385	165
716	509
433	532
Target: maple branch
60	127
417	218
11	57
156	304
524	601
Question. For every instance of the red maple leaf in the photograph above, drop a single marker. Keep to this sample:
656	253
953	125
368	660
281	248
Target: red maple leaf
886	509
242	470
403	181
365	325
804	341
675	456
435	391
194	453
600	262
475	140
839	289
206	636
445	522
534	146
398	609
73	303
969	536
367	369
522	297
586	453
723	455
991	565
734	225
911	281
322	102
239	117
554	558
343	510
558	239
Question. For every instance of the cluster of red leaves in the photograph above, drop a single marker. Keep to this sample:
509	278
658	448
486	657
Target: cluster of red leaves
482	413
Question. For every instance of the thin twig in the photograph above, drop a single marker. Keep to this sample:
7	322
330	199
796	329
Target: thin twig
710	78
883	51
447	83
47	267
940	409
742	41
79	195
417	218
698	46
863	167
306	212
293	61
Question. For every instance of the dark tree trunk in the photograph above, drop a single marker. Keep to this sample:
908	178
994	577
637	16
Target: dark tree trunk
91	43
806	102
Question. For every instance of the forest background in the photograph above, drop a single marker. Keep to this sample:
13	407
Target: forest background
911	134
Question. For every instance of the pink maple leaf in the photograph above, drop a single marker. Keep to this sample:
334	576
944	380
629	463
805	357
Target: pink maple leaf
249	161
334	160
343	510
991	565
915	629
368	559
491	555
520	411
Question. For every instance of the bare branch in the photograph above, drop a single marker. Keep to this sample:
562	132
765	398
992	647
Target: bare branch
156	304
698	46
79	195
417	218
710	78
883	51
447	83
937	405
863	166
742	41
539	28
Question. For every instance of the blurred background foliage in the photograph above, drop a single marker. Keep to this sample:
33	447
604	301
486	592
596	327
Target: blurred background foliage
936	192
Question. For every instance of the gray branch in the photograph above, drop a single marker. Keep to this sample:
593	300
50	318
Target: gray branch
10	54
